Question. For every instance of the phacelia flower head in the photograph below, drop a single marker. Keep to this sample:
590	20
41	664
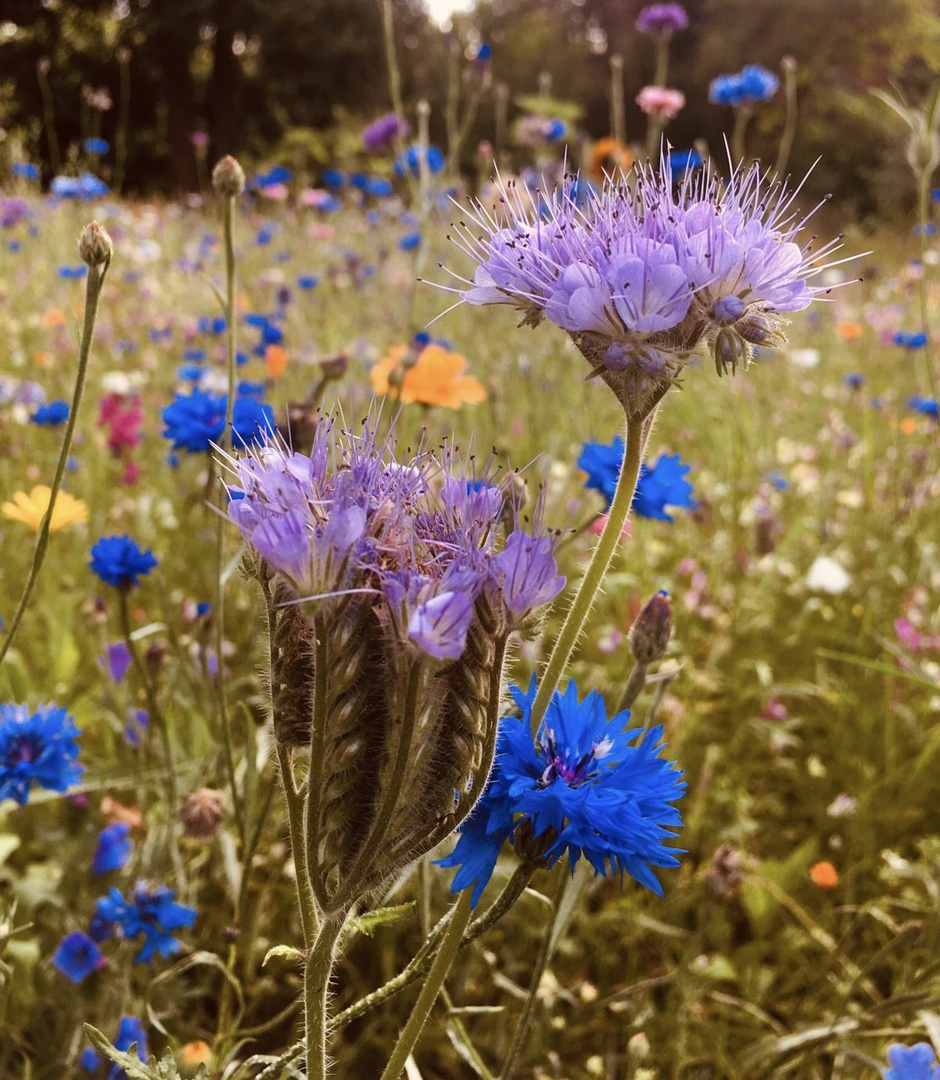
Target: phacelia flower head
36	749
393	596
640	273
119	561
149	912
918	1062
662	19
585	786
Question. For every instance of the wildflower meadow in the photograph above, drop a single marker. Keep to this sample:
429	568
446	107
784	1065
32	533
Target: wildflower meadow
469	497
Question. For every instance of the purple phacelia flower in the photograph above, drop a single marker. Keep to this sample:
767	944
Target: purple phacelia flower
662	19
381	133
640	273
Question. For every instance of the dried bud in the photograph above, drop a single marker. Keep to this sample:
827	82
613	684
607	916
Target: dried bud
724	875
94	245
650	634
335	366
228	177
201	814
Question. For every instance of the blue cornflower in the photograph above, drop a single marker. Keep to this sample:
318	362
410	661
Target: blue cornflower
855	380
195	421
586	785
410	241
37	748
78	956
130	1031
119	561
555	130
26	170
151	913
72	273
208	325
918	1062
662	485
680	160
194	356
910	341
85	186
658	487
925	405
279	174
89	1059
51	415
96	146
307	282
753	83
117	661
114	848
410	161
252	422
332	178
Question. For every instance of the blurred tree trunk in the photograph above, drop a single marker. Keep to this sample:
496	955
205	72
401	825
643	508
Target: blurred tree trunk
171	48
224	104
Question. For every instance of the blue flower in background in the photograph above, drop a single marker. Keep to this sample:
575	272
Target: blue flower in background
276	175
130	1031
918	1062
658	487
151	913
114	848
96	146
85	186
120	562
116	661
36	748
586	785
753	83
307	282
332	178
555	130
410	161
90	1059
26	170
378	187
252	422
194	421
680	160
410	241
72	273
51	415
927	406
78	956
910	341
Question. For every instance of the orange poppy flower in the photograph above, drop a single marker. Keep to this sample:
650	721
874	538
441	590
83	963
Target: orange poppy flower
436	378
54	317
275	357
31	509
608	155
849	331
908	425
824	874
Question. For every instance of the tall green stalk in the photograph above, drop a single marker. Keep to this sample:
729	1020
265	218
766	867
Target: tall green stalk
635	439
317	973
923	216
95	249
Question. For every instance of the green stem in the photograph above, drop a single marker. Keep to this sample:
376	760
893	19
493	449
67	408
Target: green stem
315	774
603	554
394	75
662	58
618	121
923	204
634	686
320	960
446	954
156	717
541	963
96	275
742	117
788	65
226	439
295	822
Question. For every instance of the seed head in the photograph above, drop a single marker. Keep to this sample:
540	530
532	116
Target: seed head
228	177
94	245
652	630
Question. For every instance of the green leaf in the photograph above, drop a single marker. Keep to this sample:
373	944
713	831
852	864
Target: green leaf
371	920
282	952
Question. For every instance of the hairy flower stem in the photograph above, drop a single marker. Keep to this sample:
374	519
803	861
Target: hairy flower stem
295	821
635	440
446	954
157	717
394	75
541	963
95	280
228	209
742	117
788	66
319	968
923	214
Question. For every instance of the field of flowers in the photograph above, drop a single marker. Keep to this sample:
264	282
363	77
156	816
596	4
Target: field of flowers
780	571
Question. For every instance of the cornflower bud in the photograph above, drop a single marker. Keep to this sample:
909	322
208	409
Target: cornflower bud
228	177
650	633
201	814
94	245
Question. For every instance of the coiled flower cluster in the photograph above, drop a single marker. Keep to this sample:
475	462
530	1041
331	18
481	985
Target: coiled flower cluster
391	595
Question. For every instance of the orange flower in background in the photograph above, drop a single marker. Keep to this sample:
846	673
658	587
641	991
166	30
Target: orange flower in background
196	1052
849	331
275	357
31	508
908	425
54	317
824	874
608	155
435	378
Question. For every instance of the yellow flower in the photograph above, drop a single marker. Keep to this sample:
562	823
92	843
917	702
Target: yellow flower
31	508
436	378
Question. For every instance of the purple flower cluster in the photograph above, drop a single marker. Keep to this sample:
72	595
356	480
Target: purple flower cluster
381	133
640	273
412	537
662	18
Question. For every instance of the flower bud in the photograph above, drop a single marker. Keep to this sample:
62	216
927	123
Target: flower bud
650	634
201	814
94	245
723	876
228	177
